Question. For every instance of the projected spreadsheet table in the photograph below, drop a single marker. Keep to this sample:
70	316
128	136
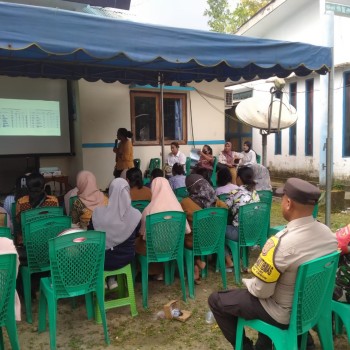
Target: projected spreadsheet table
32	118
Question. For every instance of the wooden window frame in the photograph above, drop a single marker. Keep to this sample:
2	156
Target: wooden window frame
159	126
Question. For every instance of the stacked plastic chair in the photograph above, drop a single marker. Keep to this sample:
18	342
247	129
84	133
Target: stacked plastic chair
213	174
311	307
208	228
36	214
8	272
181	193
37	247
140	205
253	224
5	232
165	234
76	264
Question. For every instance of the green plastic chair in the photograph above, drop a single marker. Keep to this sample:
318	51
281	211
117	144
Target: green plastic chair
188	165
137	163
36	214
140	205
208	228
258	158
76	265
153	164
37	247
311	307
126	292
165	234
265	196
213	174
276	229
5	232
181	193
71	202
341	313
8	271
223	196
253	221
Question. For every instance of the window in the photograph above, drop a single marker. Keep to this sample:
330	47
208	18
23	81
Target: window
293	129
309	117
346	120
146	120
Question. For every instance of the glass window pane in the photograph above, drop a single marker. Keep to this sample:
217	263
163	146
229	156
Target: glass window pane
145	118
173	119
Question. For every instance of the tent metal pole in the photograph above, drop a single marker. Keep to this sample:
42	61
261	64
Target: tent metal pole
329	143
329	140
161	86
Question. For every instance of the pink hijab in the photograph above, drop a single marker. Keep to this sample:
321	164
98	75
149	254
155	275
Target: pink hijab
163	199
228	155
88	192
7	247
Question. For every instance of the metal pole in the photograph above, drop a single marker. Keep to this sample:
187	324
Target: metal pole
329	141
161	86
264	148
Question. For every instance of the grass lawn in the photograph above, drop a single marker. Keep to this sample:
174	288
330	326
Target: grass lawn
147	331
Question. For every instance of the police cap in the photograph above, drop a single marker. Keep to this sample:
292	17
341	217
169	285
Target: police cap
300	191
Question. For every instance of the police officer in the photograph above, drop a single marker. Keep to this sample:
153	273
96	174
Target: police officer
269	294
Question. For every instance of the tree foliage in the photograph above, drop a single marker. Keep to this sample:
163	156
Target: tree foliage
222	19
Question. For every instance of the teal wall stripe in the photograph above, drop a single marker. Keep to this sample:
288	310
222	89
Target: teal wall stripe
189	143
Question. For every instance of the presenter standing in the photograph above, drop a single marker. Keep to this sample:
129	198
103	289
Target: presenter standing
124	156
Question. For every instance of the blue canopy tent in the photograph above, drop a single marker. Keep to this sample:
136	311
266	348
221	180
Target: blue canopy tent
53	43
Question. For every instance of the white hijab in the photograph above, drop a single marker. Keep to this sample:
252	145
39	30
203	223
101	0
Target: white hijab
118	219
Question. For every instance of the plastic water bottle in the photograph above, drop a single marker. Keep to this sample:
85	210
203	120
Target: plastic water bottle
209	317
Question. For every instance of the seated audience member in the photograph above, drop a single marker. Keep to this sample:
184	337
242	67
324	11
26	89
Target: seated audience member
163	199
206	174
201	195
244	194
156	172
206	159
224	182
261	177
5	218
178	178
230	160
248	155
121	222
36	198
269	296
138	192
7	247
175	156
19	191
72	193
89	198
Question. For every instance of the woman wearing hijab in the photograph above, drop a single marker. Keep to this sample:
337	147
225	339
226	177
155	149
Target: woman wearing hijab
229	159
121	222
36	198
163	199
248	155
201	195
261	177
89	198
7	247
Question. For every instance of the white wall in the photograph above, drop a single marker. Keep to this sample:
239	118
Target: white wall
106	107
305	21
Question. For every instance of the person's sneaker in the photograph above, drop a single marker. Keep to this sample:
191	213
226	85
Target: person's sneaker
112	283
